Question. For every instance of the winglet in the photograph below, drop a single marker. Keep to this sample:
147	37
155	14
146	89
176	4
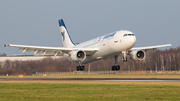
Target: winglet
169	45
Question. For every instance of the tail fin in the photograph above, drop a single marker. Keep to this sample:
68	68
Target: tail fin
66	39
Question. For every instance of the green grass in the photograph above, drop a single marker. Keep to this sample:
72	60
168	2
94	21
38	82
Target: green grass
87	92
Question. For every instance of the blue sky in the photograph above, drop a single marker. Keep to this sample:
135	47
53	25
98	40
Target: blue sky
35	22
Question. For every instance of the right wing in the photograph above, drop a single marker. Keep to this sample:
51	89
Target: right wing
50	50
150	49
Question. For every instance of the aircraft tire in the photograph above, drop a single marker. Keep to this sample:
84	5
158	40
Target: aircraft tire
118	67
82	68
113	68
78	68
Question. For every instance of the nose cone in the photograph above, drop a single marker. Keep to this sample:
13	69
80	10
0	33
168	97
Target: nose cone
133	41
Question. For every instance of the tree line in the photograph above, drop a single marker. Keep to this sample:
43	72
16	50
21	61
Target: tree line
160	60
3	54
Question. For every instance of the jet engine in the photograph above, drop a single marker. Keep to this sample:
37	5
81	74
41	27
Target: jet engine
138	55
78	55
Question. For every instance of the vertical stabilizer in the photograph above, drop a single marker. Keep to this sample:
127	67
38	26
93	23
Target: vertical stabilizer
66	39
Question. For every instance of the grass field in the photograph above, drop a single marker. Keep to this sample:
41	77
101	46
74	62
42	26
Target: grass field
90	90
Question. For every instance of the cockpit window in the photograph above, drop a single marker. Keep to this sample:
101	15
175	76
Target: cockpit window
128	35
125	35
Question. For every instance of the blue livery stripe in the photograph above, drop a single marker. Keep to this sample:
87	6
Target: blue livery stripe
61	23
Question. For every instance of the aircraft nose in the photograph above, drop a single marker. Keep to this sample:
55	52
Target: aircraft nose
133	41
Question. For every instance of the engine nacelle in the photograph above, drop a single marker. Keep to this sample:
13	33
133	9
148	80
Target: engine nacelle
138	55
78	55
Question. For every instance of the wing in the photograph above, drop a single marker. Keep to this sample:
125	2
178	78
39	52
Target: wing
150	49
50	50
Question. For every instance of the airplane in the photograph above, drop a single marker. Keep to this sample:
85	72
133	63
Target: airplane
107	46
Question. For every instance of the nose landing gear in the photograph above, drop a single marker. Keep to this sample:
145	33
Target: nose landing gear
124	56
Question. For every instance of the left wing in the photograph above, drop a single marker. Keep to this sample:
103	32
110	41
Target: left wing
50	50
150	49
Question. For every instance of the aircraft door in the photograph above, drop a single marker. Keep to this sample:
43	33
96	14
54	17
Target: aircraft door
116	43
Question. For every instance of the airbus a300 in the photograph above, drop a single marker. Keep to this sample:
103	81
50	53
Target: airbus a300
107	46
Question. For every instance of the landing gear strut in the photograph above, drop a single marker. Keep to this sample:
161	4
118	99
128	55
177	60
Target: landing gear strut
115	67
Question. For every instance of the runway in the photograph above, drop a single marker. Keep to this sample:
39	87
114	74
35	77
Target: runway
94	79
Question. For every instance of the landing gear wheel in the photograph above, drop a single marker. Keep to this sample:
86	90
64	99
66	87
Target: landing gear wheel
80	68
118	67
124	60
115	68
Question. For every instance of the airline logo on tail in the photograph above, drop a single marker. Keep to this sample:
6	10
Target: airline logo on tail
62	33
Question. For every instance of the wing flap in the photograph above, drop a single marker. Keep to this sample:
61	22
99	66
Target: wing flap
44	52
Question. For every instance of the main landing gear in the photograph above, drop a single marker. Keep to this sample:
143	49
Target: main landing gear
115	67
80	68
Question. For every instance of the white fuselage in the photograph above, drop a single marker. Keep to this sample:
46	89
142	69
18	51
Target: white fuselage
108	45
